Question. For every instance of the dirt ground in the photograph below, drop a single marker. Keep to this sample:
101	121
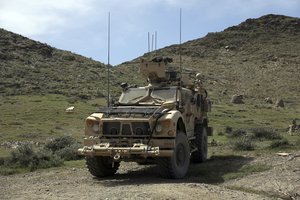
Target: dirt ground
134	181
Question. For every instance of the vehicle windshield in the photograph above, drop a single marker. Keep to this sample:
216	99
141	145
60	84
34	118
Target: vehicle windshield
140	96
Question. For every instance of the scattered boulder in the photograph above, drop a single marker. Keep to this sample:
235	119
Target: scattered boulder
227	48
237	99
268	100
70	109
279	103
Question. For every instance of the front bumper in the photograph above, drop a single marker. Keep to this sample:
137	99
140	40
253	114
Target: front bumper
104	149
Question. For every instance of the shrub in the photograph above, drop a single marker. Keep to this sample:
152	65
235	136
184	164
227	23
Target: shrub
45	159
24	156
59	143
21	156
243	143
279	143
69	152
65	147
238	133
2	161
228	129
265	133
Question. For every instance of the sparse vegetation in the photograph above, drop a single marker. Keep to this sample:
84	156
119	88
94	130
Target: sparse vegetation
265	133
65	147
279	143
53	154
238	133
243	143
225	168
25	157
228	129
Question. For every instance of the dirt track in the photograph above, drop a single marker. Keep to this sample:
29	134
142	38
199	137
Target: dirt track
133	181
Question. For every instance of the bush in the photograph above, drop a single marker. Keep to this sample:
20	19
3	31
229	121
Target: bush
59	143
238	133
265	133
243	143
69	152
45	159
1	161
228	129
279	143
65	147
24	156
20	157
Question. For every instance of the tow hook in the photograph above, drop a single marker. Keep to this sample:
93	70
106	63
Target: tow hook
117	156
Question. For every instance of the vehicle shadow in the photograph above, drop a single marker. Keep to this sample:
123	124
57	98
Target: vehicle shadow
214	171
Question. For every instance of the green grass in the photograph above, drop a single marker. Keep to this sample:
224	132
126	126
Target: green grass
247	116
38	118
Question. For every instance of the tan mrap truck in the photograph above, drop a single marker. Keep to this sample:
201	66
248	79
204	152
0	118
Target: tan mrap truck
164	122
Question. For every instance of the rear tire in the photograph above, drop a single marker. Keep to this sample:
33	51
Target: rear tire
101	166
200	142
177	165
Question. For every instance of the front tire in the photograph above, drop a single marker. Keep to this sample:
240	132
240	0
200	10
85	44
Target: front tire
200	142
101	166
177	165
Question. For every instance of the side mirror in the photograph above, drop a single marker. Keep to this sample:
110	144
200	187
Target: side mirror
124	86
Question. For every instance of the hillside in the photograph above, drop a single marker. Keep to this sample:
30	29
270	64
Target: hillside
257	58
31	67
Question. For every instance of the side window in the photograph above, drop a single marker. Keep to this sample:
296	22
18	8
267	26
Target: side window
186	98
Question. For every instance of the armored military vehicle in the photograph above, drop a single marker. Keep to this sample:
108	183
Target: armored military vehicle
164	122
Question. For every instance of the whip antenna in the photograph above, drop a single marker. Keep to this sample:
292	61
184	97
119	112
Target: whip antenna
180	50
148	42
180	60
155	47
108	60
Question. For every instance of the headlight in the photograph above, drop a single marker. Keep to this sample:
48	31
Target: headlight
158	128
163	125
95	127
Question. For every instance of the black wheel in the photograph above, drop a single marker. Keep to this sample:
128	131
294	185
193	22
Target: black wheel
200	142
101	166
177	165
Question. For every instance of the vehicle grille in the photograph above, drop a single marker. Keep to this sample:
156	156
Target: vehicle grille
134	128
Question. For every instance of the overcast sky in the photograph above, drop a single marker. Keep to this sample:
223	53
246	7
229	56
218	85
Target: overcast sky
80	26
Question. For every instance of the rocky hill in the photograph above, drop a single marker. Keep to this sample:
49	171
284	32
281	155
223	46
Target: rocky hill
31	67
257	58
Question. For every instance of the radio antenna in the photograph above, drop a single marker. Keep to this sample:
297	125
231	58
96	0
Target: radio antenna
180	50
108	61
155	47
148	42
